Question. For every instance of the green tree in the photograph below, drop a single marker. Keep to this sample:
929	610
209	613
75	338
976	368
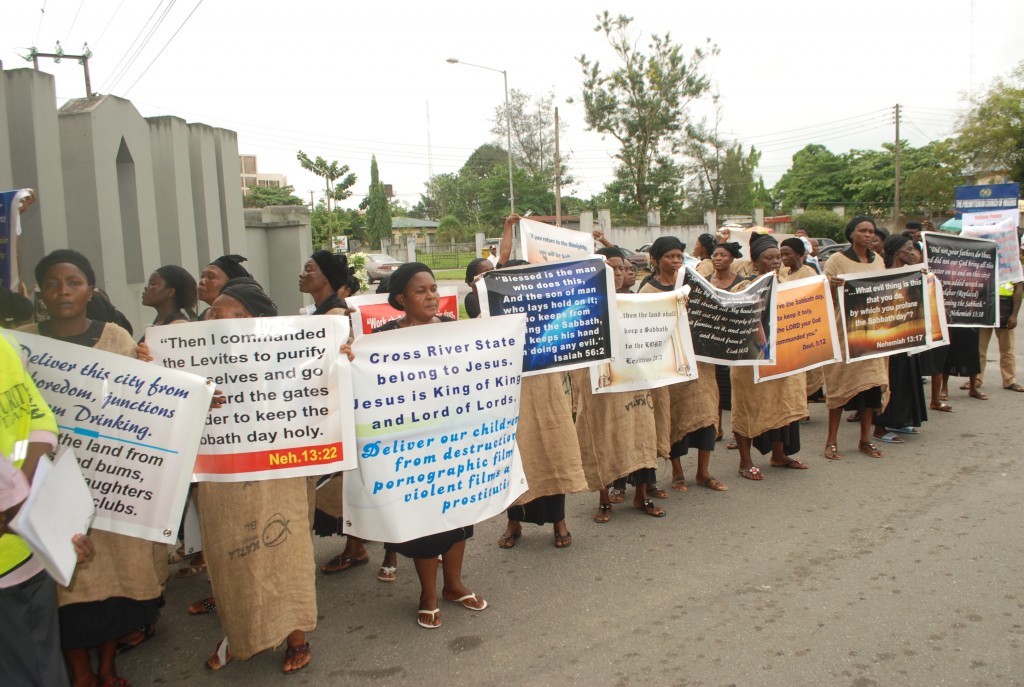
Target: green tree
992	130
643	104
817	177
262	196
722	174
533	134
338	180
378	211
821	223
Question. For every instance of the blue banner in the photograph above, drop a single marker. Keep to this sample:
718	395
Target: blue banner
568	311
987	197
8	222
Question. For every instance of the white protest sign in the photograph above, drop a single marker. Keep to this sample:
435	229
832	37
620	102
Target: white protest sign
654	346
1004	233
436	412
547	243
279	375
134	427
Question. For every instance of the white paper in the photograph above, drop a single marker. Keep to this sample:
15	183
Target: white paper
58	507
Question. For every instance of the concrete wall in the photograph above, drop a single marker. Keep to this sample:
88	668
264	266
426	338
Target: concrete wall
133	193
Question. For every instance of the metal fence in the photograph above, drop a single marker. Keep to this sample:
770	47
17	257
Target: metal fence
446	256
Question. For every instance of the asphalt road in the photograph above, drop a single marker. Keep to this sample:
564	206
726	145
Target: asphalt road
903	571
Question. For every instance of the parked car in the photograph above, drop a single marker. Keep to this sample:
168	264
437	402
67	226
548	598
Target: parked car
380	265
823	242
642	261
827	251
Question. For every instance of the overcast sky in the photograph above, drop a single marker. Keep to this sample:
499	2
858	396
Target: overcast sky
347	80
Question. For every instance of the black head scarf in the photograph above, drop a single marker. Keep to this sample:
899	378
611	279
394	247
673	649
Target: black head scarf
611	252
707	242
795	245
732	247
664	244
760	243
334	267
472	268
883	232
852	224
251	295
400	279
893	244
231	265
69	256
914	225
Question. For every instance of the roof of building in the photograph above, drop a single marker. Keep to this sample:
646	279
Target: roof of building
413	223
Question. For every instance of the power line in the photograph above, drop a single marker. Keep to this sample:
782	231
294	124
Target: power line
39	29
132	53
74	21
109	21
165	47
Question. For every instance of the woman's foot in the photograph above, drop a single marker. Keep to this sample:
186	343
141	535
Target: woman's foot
679	484
220	657
713	484
296	656
869	449
203	606
429	619
654	491
563	539
616	495
751	473
513	531
978	395
469	600
648	507
832	451
604	513
787	462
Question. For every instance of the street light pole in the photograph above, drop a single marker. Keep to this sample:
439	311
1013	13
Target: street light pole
508	125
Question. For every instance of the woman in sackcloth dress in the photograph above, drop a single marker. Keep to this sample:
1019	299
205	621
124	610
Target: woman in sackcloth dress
702	250
906	411
119	590
323	274
723	257
547	441
767	415
413	290
668	254
861	385
215	275
267	596
616	431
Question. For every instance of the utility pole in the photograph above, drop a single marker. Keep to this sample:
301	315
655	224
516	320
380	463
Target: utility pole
311	201
83	59
896	201
558	177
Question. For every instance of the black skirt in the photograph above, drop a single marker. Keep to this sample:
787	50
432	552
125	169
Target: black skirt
932	361
89	624
432	545
540	511
789	435
907	407
724	387
869	399
963	360
642	476
702	439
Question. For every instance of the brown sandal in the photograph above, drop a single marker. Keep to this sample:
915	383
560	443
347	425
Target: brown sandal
604	513
832	452
869	449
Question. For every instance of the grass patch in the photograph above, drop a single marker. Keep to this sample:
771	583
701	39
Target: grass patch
458	275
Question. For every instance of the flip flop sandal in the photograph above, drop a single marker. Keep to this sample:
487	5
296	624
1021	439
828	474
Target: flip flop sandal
680	485
732	446
794	464
603	514
293	651
714	484
617	495
752	473
190	571
649	508
219	658
890	438
657	493
978	395
904	430
507	541
855	417
341	563
431	625
563	541
869	449
134	639
1015	387
832	452
463	600
942	407
387	573
203	606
